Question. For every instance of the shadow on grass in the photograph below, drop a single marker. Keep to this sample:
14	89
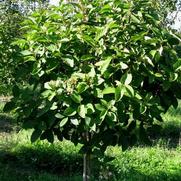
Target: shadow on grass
11	173
32	164
38	164
51	163
7	123
169	135
42	158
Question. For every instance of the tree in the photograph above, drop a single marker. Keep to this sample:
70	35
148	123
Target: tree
98	73
9	29
12	14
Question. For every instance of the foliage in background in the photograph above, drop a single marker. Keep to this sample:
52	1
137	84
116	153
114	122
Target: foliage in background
12	14
167	6
10	20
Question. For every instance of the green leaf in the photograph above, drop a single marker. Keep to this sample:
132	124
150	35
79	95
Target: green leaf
69	61
123	65
138	36
109	90
93	127
102	31
153	53
149	61
138	96
76	97
103	114
126	78
129	90
30	59
52	95
173	77
89	40
90	108
104	64
81	87
69	111
87	121
51	48
59	116
92	73
46	93
87	57
35	135
47	85
54	106
135	19
26	53
74	122
119	92
63	122
99	107
98	93
158	75
82	111
105	103
106	9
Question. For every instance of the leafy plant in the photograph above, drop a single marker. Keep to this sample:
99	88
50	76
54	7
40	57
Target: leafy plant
12	13
98	73
9	29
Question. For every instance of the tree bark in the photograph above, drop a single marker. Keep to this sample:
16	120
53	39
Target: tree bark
87	160
86	170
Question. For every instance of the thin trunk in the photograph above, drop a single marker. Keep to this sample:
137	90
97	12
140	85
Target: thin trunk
86	161
86	170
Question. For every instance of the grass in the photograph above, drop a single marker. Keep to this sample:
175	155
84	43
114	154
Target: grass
22	161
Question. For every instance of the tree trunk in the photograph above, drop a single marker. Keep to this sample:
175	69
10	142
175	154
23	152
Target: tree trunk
86	170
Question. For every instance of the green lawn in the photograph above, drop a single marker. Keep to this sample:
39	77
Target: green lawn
22	161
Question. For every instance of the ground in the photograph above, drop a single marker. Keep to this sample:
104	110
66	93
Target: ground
22	161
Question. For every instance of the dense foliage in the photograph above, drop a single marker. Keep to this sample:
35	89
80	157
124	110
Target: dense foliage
98	73
12	13
9	28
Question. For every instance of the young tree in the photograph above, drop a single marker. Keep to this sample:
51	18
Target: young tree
98	73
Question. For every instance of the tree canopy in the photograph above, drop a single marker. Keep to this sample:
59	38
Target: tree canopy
102	68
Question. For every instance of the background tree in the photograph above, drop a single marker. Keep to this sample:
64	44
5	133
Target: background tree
12	14
98	73
10	18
